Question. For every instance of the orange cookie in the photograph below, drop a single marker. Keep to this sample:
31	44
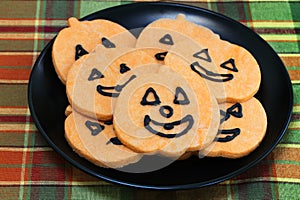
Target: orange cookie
243	128
93	83
159	114
235	68
97	142
81	37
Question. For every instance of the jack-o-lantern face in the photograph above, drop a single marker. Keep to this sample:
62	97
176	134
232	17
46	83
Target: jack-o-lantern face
157	114
167	112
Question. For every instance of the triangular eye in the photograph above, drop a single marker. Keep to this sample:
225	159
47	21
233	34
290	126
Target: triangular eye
95	74
107	43
150	98
79	51
166	39
235	110
203	54
230	65
181	97
161	56
123	68
94	127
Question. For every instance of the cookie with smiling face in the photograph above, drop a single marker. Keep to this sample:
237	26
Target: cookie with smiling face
234	67
97	142
163	115
93	82
243	128
81	37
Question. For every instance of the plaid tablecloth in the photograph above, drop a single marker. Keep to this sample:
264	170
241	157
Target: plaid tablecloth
30	169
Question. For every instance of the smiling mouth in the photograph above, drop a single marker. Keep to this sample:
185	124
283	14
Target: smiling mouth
103	90
169	126
209	75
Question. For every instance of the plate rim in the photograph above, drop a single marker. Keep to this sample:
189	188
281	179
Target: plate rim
159	187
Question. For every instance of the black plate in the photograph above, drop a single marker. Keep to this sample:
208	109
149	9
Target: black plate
47	101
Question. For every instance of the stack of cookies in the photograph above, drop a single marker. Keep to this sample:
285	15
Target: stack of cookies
176	90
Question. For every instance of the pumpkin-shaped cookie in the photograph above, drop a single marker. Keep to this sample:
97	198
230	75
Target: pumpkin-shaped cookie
97	142
81	37
94	82
243	128
235	68
159	114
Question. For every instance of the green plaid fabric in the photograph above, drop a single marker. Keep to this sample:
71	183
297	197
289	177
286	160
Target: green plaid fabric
30	169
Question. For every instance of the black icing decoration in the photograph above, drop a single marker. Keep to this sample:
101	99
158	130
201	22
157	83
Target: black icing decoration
101	90
115	141
166	111
118	88
181	97
94	127
107	43
145	99
108	122
235	110
230	65
79	51
161	56
209	75
168	126
123	68
231	134
95	74
203	55
166	39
